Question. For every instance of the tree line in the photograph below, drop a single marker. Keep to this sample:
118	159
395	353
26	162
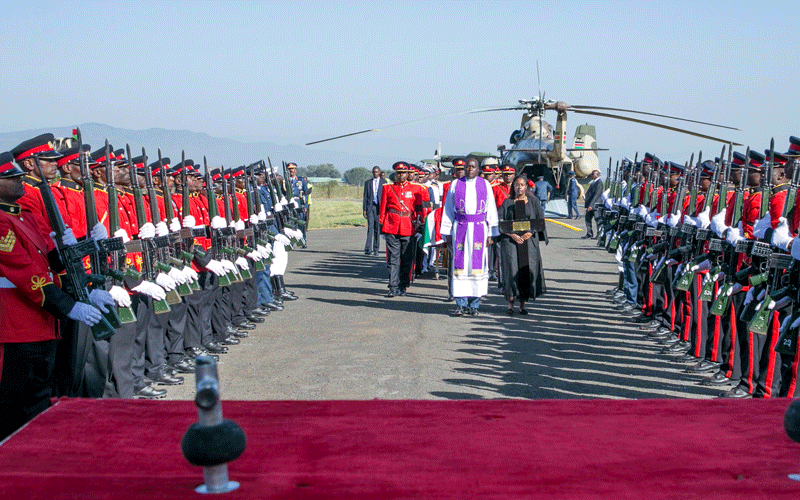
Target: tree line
355	176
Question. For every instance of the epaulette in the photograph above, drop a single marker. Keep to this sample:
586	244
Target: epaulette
70	184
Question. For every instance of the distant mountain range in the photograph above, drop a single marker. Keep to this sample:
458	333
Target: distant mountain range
227	152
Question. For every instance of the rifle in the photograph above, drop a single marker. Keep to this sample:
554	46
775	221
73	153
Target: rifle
72	257
159	306
241	235
216	236
720	305
117	259
174	253
786	343
672	231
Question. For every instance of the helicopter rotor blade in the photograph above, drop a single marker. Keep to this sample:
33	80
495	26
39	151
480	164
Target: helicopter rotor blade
650	114
378	129
653	124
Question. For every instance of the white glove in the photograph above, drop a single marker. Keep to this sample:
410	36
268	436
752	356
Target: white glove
278	207
749	297
189	273
232	224
151	290
67	239
642	211
216	267
707	278
239	225
670	262
608	203
718	224
283	240
175	225
781	237
148	230
177	275
651	220
101	299
228	265
121	296
254	219
265	250
796	248
262	215
283	201
189	221
703	266
761	226
719	276
218	222
673	219
121	233
242	263
734	235
296	204
605	194
662	220
689	221
736	288
165	282
162	229
99	232
703	219
255	255
625	202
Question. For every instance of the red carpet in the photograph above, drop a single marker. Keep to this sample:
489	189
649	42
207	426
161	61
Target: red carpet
682	449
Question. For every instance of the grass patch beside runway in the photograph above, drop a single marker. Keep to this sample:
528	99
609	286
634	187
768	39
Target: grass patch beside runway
336	212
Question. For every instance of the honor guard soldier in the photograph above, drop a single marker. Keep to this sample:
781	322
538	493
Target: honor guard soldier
399	222
23	155
300	190
30	302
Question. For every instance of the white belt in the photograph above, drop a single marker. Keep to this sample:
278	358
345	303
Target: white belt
6	283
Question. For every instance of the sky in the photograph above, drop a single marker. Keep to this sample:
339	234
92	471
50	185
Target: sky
294	72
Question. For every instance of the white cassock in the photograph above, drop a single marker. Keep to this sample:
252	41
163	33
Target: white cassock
473	279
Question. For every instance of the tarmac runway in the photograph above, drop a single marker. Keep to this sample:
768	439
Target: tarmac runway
344	340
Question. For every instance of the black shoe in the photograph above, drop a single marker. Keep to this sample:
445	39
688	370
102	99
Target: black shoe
401	292
276	299
658	334
254	319
193	352
229	341
183	366
679	347
472	311
510	311
272	306
492	277
260	311
215	348
586	236
449	298
246	326
686	358
367	252
736	393
165	379
523	311
304	246
612	291
288	296
704	366
374	253
459	311
718	378
644	319
391	294
240	334
148	392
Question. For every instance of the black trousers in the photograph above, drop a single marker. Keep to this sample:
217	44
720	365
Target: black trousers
589	217
119	382
373	243
401	256
26	382
176	329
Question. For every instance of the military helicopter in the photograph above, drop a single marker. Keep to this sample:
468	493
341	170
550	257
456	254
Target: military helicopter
539	149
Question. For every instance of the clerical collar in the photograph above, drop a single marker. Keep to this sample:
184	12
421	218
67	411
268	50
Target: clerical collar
10	208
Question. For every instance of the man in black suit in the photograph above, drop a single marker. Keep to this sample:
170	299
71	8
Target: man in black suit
591	197
373	189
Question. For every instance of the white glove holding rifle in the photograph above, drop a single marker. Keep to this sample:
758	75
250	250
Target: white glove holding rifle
150	289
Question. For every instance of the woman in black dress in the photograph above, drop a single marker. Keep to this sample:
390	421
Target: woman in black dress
520	260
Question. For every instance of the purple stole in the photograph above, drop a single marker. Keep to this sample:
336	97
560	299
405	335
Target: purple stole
466	220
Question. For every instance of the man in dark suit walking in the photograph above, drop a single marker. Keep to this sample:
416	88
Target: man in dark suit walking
373	189
591	197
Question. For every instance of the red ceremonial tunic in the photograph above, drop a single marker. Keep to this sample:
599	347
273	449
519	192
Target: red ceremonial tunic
69	198
750	212
32	202
398	208
27	287
501	192
101	203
